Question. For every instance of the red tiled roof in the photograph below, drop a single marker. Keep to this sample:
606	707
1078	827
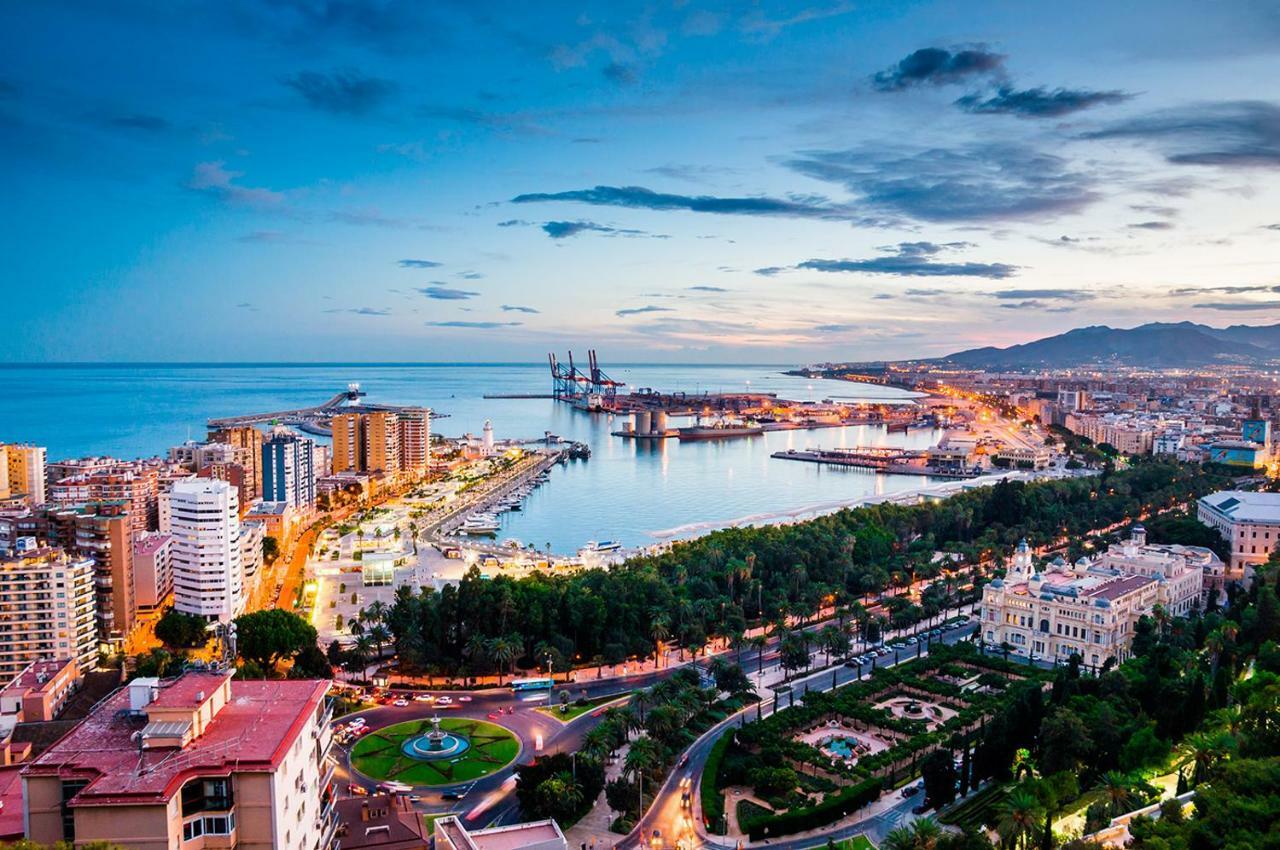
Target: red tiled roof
11	822
251	733
1119	587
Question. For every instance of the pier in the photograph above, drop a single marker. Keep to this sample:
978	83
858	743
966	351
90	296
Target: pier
881	459
313	419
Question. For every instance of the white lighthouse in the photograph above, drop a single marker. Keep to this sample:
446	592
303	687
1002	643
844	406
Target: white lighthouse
486	439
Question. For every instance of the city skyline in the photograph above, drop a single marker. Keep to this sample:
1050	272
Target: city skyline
361	180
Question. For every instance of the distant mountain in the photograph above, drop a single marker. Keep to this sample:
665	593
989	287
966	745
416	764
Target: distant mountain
1181	344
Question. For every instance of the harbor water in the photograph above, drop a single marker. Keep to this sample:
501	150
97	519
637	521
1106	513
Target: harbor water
632	492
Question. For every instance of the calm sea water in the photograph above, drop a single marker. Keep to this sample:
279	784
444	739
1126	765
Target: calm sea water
627	491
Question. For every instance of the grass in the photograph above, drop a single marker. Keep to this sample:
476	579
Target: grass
978	810
379	757
858	842
748	810
574	710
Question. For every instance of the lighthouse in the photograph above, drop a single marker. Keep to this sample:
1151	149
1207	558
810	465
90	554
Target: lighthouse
486	439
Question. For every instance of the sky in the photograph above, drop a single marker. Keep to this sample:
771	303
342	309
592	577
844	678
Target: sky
392	180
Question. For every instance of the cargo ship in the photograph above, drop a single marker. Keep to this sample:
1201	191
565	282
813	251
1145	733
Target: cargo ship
719	430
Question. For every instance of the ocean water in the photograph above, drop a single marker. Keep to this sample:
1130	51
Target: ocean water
635	493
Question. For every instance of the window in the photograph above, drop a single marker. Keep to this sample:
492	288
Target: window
193	829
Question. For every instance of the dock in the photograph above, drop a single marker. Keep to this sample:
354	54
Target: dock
889	460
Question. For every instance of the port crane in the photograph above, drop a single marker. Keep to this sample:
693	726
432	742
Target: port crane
569	383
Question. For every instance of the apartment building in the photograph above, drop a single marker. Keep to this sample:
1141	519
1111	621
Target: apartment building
249	439
204	522
104	532
1085	608
24	472
1248	521
396	443
200	761
133	483
47	607
152	570
289	470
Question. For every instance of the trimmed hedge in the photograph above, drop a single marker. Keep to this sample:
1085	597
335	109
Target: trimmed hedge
712	799
830	810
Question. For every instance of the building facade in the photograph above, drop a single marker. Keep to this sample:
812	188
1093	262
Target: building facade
1248	521
204	522
152	570
24	473
197	762
47	608
289	470
249	439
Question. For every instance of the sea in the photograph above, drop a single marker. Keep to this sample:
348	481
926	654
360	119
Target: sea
630	492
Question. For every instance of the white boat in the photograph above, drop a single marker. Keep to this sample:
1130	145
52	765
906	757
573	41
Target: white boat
605	546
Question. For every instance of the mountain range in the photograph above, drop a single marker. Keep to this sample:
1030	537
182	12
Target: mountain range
1157	344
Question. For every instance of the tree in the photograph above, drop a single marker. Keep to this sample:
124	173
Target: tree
939	772
266	637
270	549
310	663
178	630
1019	816
503	653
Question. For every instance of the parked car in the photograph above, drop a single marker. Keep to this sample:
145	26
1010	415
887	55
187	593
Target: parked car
400	703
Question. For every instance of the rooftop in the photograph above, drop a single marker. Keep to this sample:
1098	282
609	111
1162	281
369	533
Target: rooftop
383	820
36	676
1245	505
252	732
149	544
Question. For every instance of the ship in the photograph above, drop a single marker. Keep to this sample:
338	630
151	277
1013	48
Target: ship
719	430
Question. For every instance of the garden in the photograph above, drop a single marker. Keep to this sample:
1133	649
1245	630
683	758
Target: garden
381	755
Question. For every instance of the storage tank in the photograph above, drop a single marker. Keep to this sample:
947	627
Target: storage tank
628	427
660	422
643	421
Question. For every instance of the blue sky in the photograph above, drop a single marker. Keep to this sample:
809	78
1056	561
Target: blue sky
682	181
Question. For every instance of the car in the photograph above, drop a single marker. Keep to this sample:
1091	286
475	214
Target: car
911	790
358	791
920	809
400	703
423	698
913	640
464	699
655	840
853	662
444	700
492	716
684	760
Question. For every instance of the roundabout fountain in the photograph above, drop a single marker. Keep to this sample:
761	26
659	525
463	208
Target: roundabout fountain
436	744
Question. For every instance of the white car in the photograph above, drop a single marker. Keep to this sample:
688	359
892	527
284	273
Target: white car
400	703
423	698
464	699
444	700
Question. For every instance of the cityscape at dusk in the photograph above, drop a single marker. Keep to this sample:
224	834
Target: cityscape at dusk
640	426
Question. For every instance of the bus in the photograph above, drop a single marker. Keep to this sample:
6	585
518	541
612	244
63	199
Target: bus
518	685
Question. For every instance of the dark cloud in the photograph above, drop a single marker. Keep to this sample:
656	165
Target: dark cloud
456	323
515	308
139	121
1151	225
1228	290
925	293
635	311
470	275
419	264
503	122
770	271
914	259
346	92
834	328
565	229
936	66
514	222
1043	294
1238	305
1244	133
362	311
979	182
620	73
707	289
444	293
638	197
1038	102
1271	227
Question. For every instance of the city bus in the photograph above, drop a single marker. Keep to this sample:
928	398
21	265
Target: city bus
518	685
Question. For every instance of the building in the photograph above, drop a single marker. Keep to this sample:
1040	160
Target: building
1087	609
382	821
251	556
278	520
204	521
249	439
414	424
47	607
1241	453
152	570
396	442
1248	521
135	484
104	532
288	470
1185	571
24	475
199	761
451	834
38	692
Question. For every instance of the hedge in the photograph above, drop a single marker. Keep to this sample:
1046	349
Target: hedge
830	810
712	799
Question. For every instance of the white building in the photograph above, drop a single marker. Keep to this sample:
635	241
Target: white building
48	610
486	439
204	521
152	569
1249	521
289	469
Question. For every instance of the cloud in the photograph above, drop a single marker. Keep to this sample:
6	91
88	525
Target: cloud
707	289
1242	133
373	217
213	180
470	275
913	259
638	197
1271	227
515	308
514	222
770	271
139	121
635	311
1238	305
1151	225
620	73
1228	290
273	237
346	92
418	264
834	328
1043	294
456	323
977	182
1038	102
936	66
565	229
925	293
362	311
444	293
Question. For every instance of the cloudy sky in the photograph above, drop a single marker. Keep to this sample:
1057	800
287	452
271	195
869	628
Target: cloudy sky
677	181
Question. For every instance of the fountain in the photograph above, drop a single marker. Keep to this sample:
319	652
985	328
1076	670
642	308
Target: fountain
436	744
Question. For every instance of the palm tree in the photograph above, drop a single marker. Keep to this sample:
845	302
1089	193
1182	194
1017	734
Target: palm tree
1118	791
641	756
923	834
1205	751
1019	817
503	653
380	635
377	611
358	654
659	630
476	648
758	643
597	744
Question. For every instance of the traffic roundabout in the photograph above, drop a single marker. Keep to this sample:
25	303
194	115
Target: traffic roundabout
435	752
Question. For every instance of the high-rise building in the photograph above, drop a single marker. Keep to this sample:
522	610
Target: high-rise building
134	483
24	469
288	469
46	607
415	440
366	442
152	569
250	439
200	761
204	521
103	533
252	533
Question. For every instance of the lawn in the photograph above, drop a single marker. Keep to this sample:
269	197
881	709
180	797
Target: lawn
858	842
378	754
977	811
574	710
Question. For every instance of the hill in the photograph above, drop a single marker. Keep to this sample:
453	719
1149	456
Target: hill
1157	344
